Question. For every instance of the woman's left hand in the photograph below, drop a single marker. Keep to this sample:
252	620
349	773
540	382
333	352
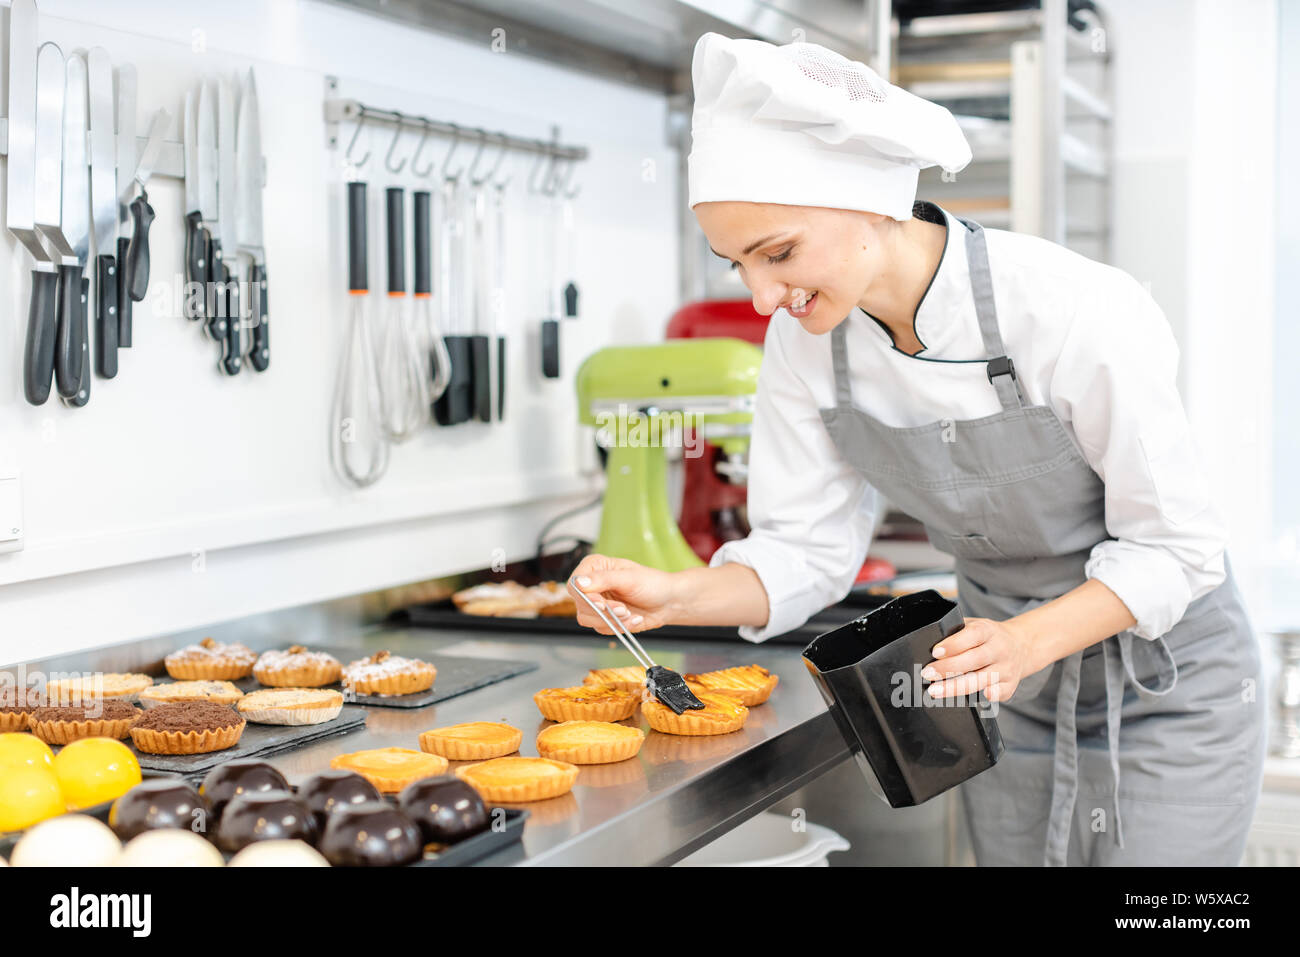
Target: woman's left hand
988	656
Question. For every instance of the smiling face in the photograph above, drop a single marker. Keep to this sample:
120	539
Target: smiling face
814	262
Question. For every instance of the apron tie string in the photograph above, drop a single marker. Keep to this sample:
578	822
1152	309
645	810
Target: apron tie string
1065	784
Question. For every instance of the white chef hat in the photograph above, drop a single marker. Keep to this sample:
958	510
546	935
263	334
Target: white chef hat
803	126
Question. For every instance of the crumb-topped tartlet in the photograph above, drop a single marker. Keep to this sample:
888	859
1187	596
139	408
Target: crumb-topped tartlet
384	673
297	667
211	661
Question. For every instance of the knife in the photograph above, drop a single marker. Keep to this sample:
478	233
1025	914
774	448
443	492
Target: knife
51	88
20	201
227	238
76	230
205	126
125	164
81	305
196	243
248	218
103	198
137	253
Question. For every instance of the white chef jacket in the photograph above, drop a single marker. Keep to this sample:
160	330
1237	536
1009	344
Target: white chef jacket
1087	340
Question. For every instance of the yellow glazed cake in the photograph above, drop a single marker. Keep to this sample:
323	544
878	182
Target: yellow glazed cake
721	714
474	741
519	779
586	703
391	769
589	742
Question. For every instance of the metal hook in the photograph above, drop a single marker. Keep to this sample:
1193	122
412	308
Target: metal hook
501	154
388	159
500	185
361	120
561	183
478	153
542	154
455	142
428	169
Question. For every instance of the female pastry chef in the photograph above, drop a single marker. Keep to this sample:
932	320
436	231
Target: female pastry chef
1019	400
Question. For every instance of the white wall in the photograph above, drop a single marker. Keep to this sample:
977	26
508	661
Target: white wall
1195	186
180	497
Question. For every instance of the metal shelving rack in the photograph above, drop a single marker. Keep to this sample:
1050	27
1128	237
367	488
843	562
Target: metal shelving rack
1033	94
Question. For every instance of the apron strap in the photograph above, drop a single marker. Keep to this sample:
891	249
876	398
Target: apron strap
1114	704
1001	371
1065	769
840	366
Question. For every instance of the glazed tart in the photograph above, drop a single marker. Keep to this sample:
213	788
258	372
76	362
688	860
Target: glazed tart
631	678
188	727
721	714
211	661
589	742
519	779
297	668
586	703
292	706
109	718
750	684
475	741
388	674
391	769
222	692
91	687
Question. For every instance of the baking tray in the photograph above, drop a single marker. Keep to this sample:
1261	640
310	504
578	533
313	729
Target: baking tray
257	741
456	676
480	845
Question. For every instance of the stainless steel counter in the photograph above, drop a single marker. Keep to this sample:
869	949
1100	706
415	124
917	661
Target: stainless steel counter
678	794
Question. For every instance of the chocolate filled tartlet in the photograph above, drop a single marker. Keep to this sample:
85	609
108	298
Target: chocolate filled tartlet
194	727
16	706
109	718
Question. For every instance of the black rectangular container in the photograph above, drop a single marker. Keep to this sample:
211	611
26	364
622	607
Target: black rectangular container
910	746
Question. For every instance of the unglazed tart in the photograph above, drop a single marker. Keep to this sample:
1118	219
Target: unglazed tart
750	684
519	779
76	690
222	692
589	742
291	706
474	741
721	714
109	718
211	660
586	703
391	769
297	668
187	727
384	673
631	678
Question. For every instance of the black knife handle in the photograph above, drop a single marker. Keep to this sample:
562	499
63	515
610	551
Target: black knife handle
396	239
106	324
501	378
68	353
196	262
550	348
214	300
38	359
123	297
480	357
137	257
261	354
423	261
232	360
570	300
358	278
82	395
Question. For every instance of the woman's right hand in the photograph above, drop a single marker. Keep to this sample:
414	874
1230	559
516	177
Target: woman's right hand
641	597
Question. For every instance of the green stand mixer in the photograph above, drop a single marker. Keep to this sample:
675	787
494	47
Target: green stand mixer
643	399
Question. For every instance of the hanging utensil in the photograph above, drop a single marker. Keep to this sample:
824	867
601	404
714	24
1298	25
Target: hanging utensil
455	405
227	238
25	168
401	362
439	359
248	219
126	162
75	229
499	310
206	249
358	447
103	197
477	282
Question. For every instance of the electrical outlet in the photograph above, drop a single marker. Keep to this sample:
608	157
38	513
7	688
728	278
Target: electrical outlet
11	512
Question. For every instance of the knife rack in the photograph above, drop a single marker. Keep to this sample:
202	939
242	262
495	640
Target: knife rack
171	158
339	110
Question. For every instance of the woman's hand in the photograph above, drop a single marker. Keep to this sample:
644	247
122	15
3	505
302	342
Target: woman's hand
641	597
988	656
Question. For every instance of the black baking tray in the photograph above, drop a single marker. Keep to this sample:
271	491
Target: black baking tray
456	676
258	740
480	845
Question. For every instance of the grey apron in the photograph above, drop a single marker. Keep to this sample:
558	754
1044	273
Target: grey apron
1018	507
